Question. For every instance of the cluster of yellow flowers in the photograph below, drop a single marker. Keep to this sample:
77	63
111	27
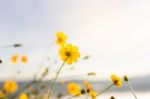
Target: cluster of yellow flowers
17	57
10	87
75	89
68	54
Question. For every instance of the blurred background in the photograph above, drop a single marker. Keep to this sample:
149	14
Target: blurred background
114	33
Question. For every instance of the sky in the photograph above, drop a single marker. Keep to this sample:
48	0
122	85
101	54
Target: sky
115	33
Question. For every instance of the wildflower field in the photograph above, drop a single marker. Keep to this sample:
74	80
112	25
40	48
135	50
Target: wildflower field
69	54
74	49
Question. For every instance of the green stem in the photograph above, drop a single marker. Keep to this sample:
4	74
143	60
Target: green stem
105	89
53	84
131	88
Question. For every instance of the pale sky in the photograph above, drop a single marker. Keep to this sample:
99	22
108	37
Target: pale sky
115	33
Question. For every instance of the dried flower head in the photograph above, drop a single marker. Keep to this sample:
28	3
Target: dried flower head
83	91
112	97
91	74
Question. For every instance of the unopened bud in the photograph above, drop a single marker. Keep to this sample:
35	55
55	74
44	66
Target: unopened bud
126	78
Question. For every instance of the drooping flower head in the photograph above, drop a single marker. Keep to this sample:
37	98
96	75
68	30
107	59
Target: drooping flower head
61	38
10	86
69	53
74	88
117	80
93	94
90	89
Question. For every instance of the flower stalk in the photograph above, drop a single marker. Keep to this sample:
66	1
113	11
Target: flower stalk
126	79
87	96
131	88
53	84
105	89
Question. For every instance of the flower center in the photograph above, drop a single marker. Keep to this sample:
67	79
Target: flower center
72	89
68	54
116	82
60	39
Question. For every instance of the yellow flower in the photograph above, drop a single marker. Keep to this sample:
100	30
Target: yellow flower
10	86
117	80
93	94
73	88
24	59
61	38
69	53
15	58
90	89
23	96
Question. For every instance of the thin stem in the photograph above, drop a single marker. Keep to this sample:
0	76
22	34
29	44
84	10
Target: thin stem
46	52
40	66
131	88
74	96
43	57
105	89
53	84
87	96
